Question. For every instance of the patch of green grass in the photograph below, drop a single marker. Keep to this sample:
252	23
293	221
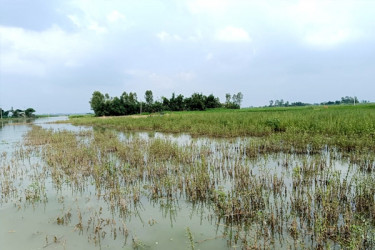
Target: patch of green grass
81	116
347	127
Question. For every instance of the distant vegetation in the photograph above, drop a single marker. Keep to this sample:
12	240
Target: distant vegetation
17	113
344	100
128	104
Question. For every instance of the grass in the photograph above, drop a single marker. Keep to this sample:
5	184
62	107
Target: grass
349	128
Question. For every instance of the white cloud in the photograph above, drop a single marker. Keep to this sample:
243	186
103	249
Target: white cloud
15	64
322	23
211	6
115	16
87	23
150	77
98	21
32	52
209	57
161	80
186	51
197	36
75	20
164	36
233	34
327	38
186	76
97	28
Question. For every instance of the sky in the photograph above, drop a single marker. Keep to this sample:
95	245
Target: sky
55	54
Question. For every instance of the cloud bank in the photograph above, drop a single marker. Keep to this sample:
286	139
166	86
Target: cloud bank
59	52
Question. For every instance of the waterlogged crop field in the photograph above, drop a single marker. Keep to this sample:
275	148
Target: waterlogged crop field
273	178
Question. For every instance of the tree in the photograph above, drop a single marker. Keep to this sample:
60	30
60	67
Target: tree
349	100
212	102
172	103
157	106
149	97
29	112
116	107
237	99
149	101
197	102
97	103
227	99
130	102
18	113
180	103
4	114
165	103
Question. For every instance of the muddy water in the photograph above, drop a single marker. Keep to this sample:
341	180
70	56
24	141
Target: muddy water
52	221
28	225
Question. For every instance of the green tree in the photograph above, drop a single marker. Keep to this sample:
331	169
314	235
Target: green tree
227	99
130	102
116	107
180	103
212	102
237	99
29	112
157	106
172	103
165	103
197	102
97	103
18	113
149	97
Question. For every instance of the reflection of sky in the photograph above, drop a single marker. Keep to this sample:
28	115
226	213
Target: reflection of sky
47	123
12	132
59	52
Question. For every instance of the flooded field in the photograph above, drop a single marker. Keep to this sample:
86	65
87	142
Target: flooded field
71	187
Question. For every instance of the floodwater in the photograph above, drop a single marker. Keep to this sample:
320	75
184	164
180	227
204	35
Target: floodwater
51	223
157	225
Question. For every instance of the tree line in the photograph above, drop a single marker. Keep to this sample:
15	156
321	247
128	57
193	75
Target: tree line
343	100
128	104
17	113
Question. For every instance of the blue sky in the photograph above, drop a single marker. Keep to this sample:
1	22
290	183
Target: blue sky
54	54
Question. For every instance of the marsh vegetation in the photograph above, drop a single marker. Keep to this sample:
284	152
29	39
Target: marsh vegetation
301	178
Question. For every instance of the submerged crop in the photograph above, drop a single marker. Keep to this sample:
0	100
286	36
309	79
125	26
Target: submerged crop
254	193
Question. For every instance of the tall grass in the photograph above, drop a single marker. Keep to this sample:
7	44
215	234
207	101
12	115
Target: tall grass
348	128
